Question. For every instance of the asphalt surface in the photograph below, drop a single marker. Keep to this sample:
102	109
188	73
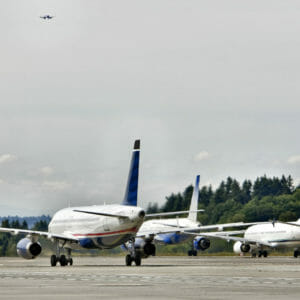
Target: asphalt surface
158	278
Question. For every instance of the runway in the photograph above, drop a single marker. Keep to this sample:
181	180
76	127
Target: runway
158	278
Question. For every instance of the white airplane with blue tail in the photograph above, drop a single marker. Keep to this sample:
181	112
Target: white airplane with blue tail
89	227
174	231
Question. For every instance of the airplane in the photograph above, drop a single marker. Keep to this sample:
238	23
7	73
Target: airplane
47	17
88	227
174	231
260	238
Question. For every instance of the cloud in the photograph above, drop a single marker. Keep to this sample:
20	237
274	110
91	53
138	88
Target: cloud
294	159
46	171
202	155
5	158
56	185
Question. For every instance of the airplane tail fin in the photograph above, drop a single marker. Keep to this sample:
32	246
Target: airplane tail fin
194	202
131	193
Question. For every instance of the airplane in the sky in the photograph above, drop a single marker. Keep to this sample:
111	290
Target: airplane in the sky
47	17
174	231
89	227
259	239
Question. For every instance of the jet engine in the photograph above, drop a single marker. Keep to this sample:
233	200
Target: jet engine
201	243
239	247
149	249
146	247
28	249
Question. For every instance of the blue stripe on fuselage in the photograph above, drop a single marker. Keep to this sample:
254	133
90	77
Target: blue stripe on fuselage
172	238
106	242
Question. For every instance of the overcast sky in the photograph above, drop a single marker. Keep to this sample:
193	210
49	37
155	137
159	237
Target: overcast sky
210	88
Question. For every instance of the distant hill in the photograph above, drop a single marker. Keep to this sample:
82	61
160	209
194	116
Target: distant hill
30	220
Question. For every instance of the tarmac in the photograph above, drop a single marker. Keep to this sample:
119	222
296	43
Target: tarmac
202	277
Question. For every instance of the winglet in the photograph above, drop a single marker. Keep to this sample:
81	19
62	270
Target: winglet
194	201
131	193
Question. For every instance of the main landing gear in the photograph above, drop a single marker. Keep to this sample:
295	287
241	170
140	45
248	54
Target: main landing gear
296	253
137	259
192	252
62	259
261	253
133	256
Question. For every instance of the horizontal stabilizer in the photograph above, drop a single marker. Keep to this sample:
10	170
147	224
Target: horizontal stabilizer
101	214
172	213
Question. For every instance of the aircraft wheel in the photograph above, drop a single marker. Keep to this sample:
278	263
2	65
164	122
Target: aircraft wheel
138	260
259	253
265	253
253	254
53	260
296	253
190	253
194	252
128	260
63	260
71	261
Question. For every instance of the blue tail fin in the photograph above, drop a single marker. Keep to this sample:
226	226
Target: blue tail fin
131	192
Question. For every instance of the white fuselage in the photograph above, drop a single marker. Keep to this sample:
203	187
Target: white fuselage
156	227
97	231
279	236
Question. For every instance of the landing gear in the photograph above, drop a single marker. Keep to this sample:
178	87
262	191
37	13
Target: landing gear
53	260
62	259
253	254
138	259
263	253
296	253
134	256
128	260
192	253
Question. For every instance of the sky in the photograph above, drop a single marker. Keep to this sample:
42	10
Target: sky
210	88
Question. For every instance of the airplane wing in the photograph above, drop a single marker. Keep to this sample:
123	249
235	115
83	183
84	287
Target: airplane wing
287	223
172	213
228	236
151	233
220	227
102	214
48	235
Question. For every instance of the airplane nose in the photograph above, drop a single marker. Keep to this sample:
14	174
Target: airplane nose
142	214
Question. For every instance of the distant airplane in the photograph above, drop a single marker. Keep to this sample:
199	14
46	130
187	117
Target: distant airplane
89	227
45	17
174	231
260	238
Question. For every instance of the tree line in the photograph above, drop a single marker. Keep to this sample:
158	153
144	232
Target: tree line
262	200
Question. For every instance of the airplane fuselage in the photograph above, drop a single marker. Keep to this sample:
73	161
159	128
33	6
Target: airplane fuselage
163	225
96	231
279	236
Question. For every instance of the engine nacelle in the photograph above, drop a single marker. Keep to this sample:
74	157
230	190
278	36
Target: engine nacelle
28	249
239	247
201	243
146	247
149	249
